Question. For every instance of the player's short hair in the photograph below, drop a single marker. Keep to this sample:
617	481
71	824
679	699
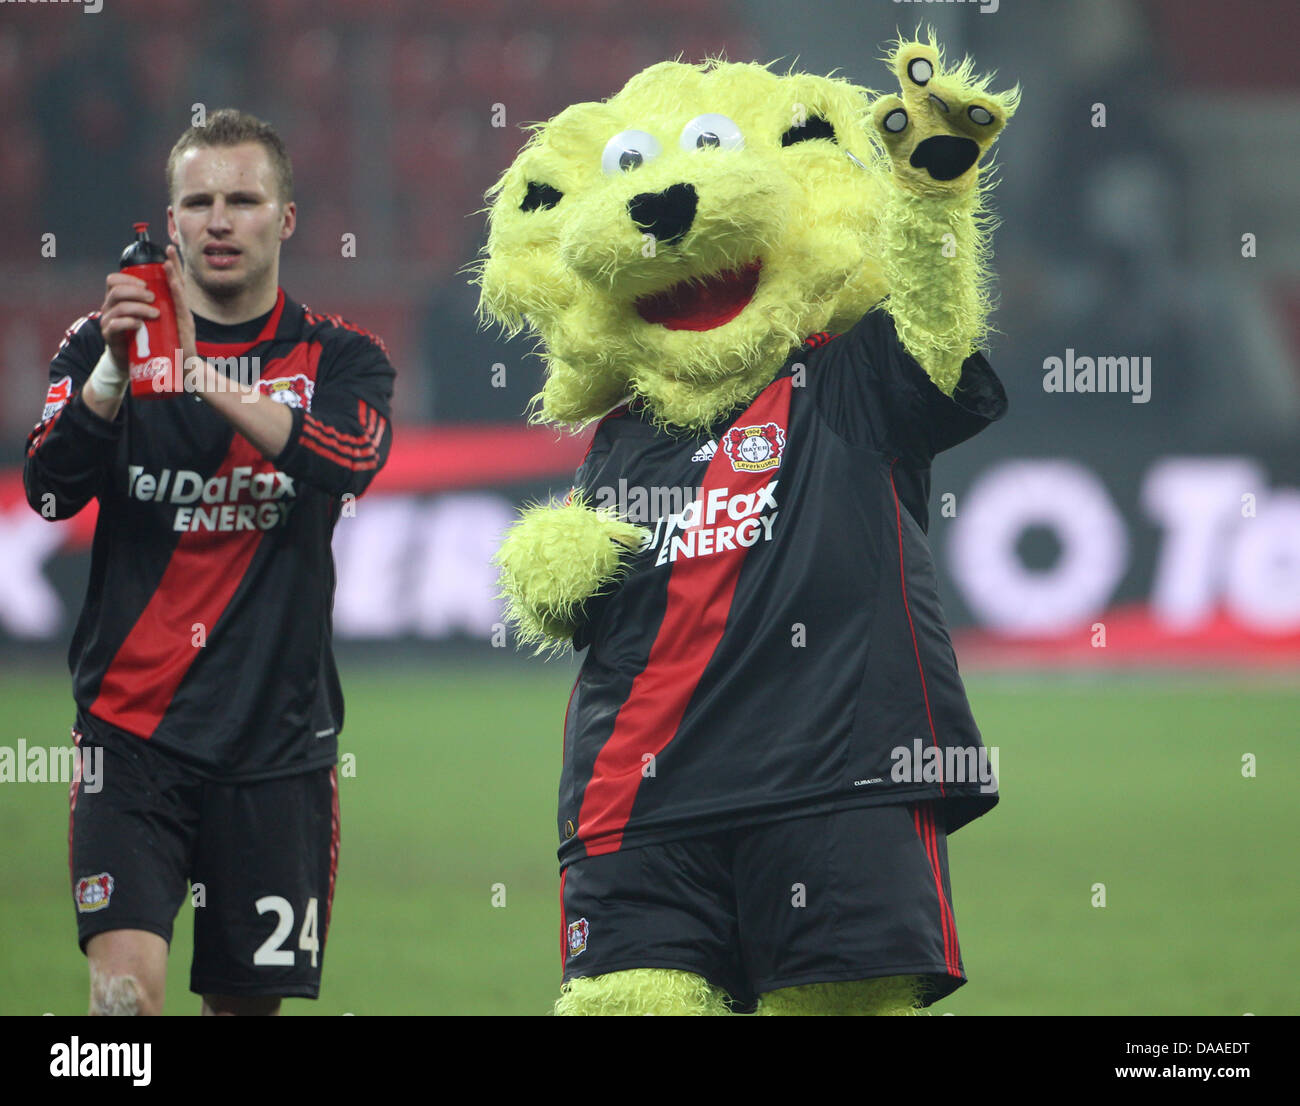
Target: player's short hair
232	127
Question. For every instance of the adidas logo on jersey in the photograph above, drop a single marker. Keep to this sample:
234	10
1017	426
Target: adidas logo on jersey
705	452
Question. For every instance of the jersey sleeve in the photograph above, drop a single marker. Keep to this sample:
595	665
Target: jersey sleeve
343	440
876	395
585	479
70	451
590	477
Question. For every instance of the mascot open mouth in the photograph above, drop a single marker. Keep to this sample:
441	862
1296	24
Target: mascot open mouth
702	304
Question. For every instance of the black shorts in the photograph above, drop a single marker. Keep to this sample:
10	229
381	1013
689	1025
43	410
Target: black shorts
256	859
855	894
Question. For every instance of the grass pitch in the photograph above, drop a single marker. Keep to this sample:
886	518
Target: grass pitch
1132	783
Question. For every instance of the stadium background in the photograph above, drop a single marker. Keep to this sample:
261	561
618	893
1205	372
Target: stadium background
1121	763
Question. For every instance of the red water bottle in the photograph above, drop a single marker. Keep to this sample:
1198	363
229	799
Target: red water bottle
156	345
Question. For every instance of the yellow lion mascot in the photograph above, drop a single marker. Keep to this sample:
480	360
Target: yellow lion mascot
771	291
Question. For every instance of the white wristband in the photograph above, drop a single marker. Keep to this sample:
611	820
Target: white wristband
108	380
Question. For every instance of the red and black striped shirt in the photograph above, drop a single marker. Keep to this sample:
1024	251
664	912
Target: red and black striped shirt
780	636
207	622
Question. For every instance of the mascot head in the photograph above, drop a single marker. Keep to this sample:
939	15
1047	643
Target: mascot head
677	241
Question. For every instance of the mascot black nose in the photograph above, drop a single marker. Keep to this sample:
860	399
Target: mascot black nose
667	215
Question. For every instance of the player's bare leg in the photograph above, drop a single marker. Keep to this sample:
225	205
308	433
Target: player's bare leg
863	997
641	991
128	972
240	1005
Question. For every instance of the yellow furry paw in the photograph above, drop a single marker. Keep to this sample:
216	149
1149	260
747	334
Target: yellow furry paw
941	126
553	560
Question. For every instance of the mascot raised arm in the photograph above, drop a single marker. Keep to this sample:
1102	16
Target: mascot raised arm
771	291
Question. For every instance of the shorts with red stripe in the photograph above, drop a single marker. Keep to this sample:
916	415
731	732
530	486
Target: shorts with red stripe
255	860
853	894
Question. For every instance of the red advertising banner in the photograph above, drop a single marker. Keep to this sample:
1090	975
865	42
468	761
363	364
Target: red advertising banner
1204	569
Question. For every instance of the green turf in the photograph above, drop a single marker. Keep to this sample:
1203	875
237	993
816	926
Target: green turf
1134	784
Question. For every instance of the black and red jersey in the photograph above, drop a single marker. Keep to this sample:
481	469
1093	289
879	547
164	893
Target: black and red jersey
778	646
207	622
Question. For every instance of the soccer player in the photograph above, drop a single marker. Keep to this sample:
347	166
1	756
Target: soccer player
202	662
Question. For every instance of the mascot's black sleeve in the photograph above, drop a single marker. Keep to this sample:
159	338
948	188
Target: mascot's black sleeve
874	394
585	483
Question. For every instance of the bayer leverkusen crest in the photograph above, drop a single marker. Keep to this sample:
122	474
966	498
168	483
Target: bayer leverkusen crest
578	936
754	448
93	892
292	391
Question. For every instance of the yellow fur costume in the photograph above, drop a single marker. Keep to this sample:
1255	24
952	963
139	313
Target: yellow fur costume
812	201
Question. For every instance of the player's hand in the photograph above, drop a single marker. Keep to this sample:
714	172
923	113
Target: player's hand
184	320
127	304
